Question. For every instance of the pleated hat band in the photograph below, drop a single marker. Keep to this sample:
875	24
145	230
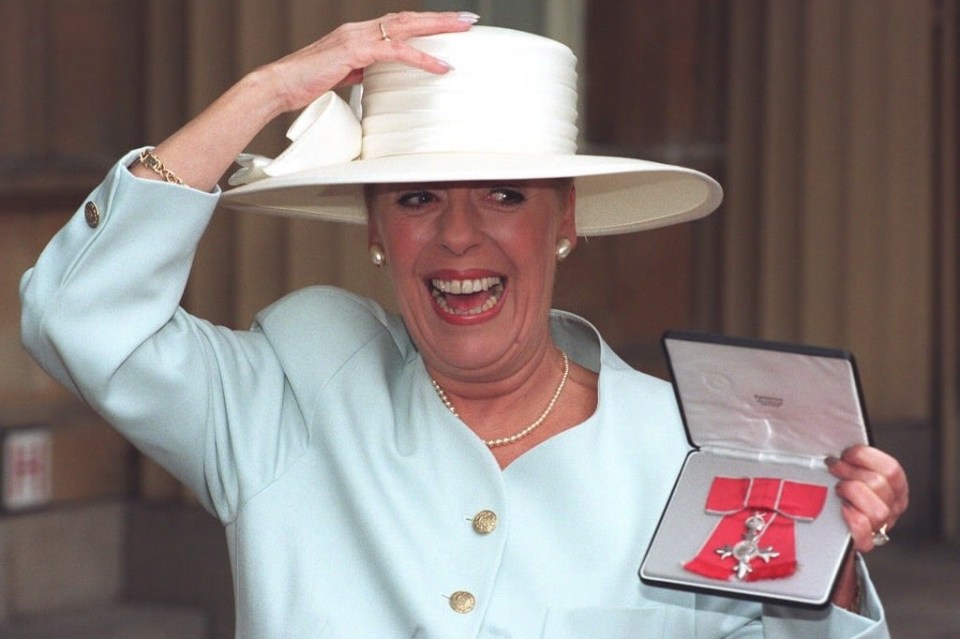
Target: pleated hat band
507	110
507	94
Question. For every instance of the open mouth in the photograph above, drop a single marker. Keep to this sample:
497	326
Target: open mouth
467	297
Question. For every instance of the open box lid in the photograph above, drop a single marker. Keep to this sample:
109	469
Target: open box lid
757	409
766	399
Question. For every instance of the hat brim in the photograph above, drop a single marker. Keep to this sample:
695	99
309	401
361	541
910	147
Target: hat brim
614	195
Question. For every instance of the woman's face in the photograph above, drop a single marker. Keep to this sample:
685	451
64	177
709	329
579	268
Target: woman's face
473	265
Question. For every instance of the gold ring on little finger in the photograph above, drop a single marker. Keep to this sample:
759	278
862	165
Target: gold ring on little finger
383	32
880	537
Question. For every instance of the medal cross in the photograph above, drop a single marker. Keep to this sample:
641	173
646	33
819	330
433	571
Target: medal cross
744	552
747	549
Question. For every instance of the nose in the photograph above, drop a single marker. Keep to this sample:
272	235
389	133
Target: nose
460	225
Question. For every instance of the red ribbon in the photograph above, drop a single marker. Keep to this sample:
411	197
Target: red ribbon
779	503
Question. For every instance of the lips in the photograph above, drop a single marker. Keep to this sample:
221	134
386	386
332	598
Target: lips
466	297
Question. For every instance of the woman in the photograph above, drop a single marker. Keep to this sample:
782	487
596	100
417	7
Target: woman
384	476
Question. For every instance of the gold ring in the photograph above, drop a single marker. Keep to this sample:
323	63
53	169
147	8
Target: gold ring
880	537
383	32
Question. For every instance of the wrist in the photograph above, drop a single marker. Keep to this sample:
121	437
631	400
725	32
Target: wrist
849	591
263	95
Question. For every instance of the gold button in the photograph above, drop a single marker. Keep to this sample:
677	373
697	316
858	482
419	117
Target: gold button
462	602
92	215
485	522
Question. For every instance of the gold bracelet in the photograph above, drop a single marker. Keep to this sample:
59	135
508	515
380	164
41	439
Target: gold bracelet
152	162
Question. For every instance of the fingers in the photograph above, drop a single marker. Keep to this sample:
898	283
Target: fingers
394	28
879	472
864	514
339	58
410	24
874	490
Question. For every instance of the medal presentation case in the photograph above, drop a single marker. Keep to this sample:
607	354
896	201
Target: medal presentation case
754	512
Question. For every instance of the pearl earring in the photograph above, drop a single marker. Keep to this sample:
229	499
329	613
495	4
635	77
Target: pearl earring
377	256
564	248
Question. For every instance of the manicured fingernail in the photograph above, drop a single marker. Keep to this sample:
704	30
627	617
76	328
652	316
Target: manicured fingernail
831	460
446	64
468	16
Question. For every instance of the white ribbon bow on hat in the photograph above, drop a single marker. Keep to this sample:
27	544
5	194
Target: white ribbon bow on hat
327	132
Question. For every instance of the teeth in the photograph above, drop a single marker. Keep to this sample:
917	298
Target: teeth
466	287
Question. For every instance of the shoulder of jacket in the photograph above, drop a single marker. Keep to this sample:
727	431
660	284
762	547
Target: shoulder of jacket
327	324
323	304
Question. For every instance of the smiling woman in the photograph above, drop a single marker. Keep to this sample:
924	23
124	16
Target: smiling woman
473	266
476	464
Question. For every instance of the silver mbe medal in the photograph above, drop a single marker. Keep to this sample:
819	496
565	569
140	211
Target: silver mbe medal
748	549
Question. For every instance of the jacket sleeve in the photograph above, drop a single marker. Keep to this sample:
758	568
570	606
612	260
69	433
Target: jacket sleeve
787	622
871	623
101	314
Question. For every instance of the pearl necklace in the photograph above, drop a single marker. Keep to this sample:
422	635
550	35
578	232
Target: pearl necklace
503	441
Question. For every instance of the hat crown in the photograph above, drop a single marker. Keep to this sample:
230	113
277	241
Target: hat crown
508	92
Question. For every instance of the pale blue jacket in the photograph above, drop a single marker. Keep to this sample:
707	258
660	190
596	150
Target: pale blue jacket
346	488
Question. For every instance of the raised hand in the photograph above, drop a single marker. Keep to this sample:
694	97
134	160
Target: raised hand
201	151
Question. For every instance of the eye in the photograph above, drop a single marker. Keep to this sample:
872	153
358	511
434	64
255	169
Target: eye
416	199
507	196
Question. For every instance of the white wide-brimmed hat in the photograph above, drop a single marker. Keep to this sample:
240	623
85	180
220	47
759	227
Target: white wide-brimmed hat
506	111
